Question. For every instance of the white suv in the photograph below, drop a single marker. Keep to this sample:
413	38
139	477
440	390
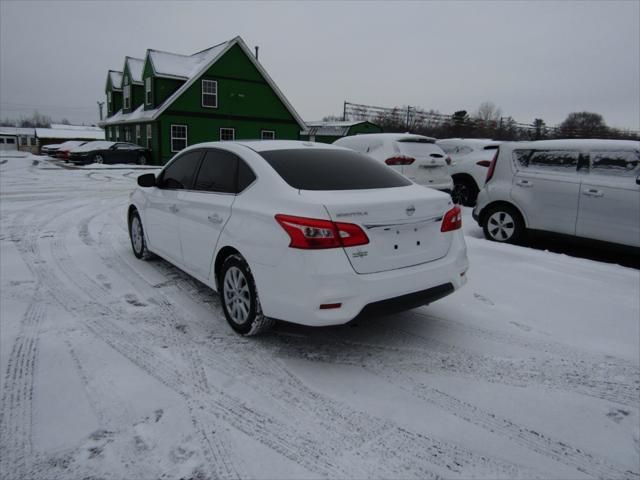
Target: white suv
415	156
470	160
305	232
583	188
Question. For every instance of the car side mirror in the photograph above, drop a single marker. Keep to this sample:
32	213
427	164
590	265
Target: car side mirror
147	180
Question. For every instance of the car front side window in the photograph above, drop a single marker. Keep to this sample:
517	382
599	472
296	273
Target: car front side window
622	163
179	174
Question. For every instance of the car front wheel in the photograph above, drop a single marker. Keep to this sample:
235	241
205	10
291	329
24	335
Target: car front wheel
240	301
503	224
136	234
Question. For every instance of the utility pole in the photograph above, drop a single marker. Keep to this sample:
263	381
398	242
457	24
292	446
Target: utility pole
344	111
100	104
408	113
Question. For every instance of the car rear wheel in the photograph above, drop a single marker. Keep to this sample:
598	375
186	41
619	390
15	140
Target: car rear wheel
240	301
142	160
136	234
98	158
503	224
465	192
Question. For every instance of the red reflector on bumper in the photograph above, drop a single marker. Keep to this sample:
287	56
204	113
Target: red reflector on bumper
327	306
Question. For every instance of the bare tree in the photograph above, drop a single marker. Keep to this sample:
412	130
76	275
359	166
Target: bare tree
487	112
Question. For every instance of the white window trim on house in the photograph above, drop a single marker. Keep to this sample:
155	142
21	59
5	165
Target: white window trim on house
149	133
138	134
185	138
233	134
210	94
147	90
127	134
272	135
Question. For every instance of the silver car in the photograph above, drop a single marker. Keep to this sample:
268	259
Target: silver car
583	188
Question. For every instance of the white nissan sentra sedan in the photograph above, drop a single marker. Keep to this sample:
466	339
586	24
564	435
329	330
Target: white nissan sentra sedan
304	232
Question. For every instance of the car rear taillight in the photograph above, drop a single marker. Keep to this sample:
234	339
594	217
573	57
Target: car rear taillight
492	167
312	233
399	160
452	220
484	163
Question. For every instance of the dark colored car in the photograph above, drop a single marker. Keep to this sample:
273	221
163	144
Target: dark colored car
102	151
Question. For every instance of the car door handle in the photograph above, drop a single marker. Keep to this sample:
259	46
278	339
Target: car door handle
215	218
592	192
173	209
524	183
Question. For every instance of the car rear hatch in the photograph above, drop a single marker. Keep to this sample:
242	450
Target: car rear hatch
402	224
430	165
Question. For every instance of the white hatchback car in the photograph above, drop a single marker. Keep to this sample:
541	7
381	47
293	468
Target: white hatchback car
470	160
582	188
415	156
309	233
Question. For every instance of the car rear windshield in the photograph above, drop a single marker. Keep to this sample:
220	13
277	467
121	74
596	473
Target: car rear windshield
420	148
325	169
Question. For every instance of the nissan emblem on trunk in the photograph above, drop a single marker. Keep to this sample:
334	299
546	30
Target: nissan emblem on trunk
410	210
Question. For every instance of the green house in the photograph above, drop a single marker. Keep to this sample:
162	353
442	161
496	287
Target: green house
169	101
113	90
330	131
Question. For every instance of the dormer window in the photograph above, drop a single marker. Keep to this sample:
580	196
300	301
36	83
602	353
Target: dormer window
147	90
126	95
209	93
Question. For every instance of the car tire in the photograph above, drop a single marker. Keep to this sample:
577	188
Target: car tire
239	296
98	159
465	192
503	224
142	160
136	235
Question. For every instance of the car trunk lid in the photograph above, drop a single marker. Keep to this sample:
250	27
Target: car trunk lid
402	224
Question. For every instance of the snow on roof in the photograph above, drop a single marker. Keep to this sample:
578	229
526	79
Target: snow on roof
116	79
182	66
17	131
64	126
199	63
74	133
89	146
337	123
136	66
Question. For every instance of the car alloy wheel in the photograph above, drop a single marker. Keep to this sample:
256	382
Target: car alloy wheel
501	226
236	295
136	236
460	194
98	159
142	160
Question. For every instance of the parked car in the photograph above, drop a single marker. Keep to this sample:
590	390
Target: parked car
582	188
470	159
63	150
310	233
102	151
50	149
415	156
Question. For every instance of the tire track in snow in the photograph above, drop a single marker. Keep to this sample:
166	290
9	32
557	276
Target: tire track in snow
16	451
589	463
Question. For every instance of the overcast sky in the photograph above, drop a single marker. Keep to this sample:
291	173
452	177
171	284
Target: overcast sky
539	59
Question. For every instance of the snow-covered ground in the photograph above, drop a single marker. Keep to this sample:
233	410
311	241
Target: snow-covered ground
116	368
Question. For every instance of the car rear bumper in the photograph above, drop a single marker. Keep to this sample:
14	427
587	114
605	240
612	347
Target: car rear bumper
303	281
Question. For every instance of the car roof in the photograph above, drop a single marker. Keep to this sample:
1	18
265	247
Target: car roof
267	145
391	136
578	144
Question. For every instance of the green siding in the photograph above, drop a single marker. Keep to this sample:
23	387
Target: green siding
163	88
208	130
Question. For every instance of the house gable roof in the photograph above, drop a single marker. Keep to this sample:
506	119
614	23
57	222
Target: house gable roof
190	68
134	66
115	77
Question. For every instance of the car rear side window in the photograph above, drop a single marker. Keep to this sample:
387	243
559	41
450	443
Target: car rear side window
245	175
619	163
547	160
179	174
218	172
327	169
